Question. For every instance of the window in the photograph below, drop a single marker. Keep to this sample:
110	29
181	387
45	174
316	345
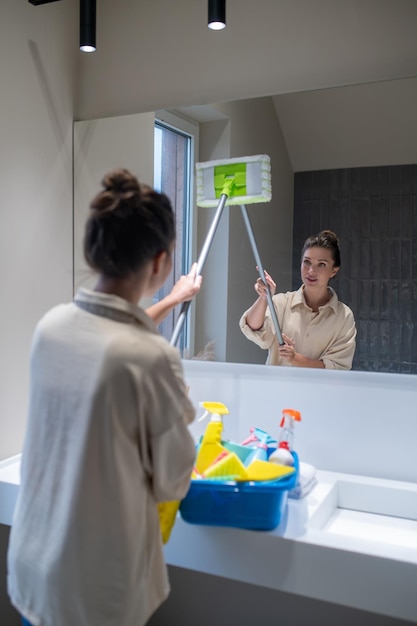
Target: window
174	148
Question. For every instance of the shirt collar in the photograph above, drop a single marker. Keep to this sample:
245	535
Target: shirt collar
299	299
113	307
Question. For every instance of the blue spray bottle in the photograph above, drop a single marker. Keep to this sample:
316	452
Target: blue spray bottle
259	445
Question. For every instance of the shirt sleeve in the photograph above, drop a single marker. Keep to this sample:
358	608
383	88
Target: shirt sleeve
170	448
339	355
263	337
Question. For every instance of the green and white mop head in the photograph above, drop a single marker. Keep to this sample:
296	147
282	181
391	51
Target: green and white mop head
244	180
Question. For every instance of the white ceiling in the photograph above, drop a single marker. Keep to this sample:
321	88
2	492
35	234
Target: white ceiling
159	54
156	54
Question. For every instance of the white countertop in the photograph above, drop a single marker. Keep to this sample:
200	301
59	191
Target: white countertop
363	556
352	541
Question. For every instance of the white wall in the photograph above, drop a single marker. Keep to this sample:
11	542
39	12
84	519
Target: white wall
100	146
38	51
354	126
360	423
256	129
244	128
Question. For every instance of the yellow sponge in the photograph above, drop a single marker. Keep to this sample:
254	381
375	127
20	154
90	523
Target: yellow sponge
265	470
227	464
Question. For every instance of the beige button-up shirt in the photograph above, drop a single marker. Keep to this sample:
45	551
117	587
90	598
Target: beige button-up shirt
328	334
107	439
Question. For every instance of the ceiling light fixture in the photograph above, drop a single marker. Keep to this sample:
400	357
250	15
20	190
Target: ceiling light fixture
217	14
88	25
36	3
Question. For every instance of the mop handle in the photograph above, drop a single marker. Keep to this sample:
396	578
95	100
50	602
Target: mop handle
262	273
200	264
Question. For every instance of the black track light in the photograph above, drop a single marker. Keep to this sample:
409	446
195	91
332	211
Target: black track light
217	14
87	25
38	2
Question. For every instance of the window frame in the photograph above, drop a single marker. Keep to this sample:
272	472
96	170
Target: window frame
178	123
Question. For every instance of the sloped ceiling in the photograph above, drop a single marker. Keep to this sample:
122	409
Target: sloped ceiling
356	126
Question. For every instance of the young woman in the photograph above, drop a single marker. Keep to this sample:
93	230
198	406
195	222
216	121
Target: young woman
107	435
318	330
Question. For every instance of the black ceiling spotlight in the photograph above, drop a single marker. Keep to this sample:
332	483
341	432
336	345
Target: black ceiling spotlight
38	2
87	25
217	14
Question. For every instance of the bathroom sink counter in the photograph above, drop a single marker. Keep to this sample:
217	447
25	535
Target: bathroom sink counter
359	561
353	540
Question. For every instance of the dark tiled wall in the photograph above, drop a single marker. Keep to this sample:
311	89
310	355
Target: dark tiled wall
373	210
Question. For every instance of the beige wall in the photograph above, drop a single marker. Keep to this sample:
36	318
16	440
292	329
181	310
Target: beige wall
246	127
99	146
37	77
354	126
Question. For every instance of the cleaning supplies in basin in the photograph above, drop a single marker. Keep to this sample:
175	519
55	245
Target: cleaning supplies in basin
283	454
229	467
235	484
255	505
218	461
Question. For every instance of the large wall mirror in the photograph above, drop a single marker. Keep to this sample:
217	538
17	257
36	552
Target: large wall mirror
342	158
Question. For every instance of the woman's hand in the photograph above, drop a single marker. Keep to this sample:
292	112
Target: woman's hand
287	351
260	286
187	286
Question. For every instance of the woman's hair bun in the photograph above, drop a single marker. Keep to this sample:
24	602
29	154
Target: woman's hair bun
119	186
129	224
330	236
121	181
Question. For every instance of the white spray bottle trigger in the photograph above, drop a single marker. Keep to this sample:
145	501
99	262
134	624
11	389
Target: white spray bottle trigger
203	417
215	410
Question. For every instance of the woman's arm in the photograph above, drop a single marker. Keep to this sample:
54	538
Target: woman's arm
255	316
186	287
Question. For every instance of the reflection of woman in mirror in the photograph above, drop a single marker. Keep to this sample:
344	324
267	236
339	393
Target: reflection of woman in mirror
318	330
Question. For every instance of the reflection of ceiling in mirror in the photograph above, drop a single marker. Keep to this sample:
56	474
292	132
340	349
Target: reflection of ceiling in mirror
354	126
268	47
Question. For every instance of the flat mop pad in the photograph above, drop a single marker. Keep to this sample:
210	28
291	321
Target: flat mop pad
244	180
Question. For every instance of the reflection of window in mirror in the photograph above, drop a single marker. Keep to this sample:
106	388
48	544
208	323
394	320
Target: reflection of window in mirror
174	149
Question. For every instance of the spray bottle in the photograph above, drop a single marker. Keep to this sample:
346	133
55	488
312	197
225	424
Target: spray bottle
262	442
259	447
282	454
210	446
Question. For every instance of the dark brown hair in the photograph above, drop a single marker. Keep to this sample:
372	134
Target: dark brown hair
325	239
129	224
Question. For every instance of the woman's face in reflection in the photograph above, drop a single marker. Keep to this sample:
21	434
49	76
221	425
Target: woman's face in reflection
317	267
